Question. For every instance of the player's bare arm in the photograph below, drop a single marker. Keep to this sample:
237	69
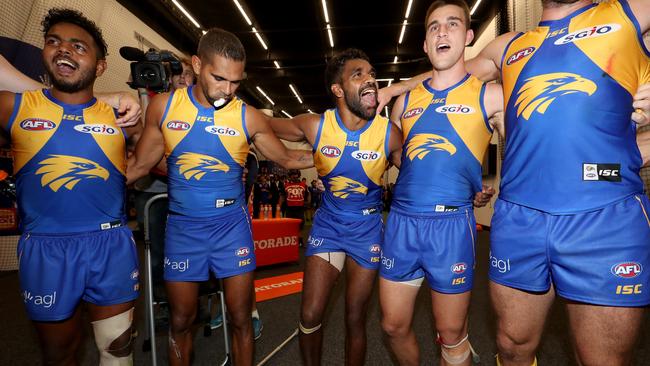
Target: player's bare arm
641	10
299	128
494	105
269	145
395	145
6	108
643	140
151	145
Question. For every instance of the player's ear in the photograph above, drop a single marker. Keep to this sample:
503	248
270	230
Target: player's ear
337	90
469	37
196	64
100	68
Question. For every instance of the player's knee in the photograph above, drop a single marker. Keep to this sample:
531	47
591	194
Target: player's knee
239	319
514	348
451	334
355	317
114	339
180	322
310	316
395	328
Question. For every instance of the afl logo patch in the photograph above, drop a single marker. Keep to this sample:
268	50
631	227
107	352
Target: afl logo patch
413	112
243	251
178	126
459	268
375	248
627	269
520	55
37	124
330	151
592	32
96	129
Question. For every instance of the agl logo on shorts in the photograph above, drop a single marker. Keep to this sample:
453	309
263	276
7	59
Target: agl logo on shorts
627	269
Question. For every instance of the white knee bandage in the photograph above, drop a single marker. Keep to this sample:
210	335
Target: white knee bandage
308	330
114	339
458	359
337	259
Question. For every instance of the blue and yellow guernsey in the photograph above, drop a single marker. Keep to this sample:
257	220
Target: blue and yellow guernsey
69	162
568	88
206	151
446	133
351	164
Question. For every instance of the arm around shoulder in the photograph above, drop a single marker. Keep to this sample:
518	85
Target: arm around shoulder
151	145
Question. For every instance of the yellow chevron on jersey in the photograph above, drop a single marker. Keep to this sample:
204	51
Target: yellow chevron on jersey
66	171
422	144
464	110
333	140
342	187
193	165
538	92
225	124
115	149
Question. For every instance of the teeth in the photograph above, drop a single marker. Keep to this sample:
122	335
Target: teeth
368	91
65	62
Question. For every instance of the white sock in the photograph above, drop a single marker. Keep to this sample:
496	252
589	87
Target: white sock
255	314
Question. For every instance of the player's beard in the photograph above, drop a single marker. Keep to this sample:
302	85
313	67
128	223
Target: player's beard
353	102
551	3
86	79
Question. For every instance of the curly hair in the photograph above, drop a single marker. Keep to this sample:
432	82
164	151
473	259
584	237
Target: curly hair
336	64
63	15
217	41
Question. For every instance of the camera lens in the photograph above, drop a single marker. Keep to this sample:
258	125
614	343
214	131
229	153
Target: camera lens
149	74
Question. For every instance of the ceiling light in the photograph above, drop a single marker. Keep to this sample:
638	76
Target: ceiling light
408	9
204	31
401	35
286	114
264	94
295	93
277	65
243	13
386	111
476	4
402	79
259	38
327	17
182	9
395	60
329	33
310	111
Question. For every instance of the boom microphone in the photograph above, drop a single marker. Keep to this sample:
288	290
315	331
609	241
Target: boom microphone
131	53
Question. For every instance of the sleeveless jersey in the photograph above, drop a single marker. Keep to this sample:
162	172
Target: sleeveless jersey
446	133
568	87
206	151
351	164
69	163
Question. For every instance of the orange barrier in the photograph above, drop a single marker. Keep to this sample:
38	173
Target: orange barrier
278	286
276	240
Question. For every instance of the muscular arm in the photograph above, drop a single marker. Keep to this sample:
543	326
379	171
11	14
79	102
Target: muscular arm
299	128
395	145
268	144
643	140
641	10
151	146
494	107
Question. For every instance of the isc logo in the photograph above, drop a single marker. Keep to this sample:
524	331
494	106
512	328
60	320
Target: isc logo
455	109
459	268
204	119
366	155
413	112
96	129
520	55
178	126
245	262
222	131
458	281
72	117
330	151
595	31
628	289
243	251
37	125
375	248
627	269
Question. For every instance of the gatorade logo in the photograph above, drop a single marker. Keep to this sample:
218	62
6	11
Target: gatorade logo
178	126
37	124
592	32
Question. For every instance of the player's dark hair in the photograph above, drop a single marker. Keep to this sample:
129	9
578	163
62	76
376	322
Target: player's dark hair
336	64
64	15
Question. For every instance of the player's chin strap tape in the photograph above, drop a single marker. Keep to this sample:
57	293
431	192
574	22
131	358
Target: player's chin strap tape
114	338
309	330
458	359
499	361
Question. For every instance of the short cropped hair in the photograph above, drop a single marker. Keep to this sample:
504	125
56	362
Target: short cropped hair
336	64
220	42
55	16
440	3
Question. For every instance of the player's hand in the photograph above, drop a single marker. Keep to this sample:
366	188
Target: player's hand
384	96
129	110
641	105
483	197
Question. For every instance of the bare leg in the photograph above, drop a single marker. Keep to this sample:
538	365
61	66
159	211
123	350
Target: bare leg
360	282
239	290
604	335
520	322
397	302
319	279
60	340
183	298
450	315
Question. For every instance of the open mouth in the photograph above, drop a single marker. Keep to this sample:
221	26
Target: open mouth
65	66
369	95
443	47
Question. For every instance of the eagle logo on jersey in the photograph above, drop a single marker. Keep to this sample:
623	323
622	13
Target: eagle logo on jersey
540	91
423	143
66	171
342	187
193	165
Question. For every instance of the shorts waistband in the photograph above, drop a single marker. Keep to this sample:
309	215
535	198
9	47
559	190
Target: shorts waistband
122	226
453	211
236	211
